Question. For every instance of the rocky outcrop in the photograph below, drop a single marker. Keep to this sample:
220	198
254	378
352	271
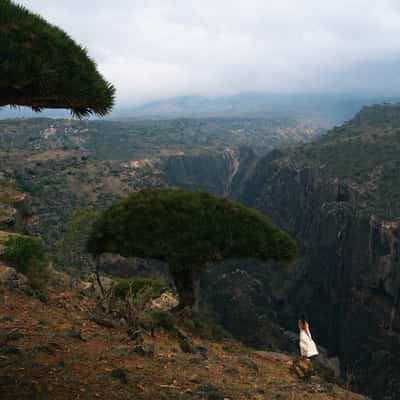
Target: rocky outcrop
11	279
15	208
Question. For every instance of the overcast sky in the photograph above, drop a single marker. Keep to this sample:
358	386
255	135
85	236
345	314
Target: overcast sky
153	49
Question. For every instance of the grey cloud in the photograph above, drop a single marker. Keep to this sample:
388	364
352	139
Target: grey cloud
161	48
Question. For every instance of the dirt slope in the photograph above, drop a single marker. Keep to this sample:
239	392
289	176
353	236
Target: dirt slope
49	349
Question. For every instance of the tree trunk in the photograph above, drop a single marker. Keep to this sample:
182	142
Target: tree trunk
187	284
97	262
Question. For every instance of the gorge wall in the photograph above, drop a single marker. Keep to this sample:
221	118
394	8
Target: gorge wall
339	198
348	274
221	172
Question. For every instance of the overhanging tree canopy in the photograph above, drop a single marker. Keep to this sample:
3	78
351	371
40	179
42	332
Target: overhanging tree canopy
42	67
188	230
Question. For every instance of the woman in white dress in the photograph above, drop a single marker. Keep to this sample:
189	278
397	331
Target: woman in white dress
307	346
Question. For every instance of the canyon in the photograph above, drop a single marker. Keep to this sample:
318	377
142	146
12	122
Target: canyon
337	196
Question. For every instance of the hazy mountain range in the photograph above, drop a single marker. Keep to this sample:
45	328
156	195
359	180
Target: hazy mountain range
327	108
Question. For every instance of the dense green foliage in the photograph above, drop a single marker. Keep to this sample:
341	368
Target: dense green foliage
30	257
187	230
42	67
134	286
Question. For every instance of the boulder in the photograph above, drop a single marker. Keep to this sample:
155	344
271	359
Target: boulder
146	350
304	368
10	278
166	302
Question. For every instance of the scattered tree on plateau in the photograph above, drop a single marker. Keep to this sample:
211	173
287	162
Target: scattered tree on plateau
188	230
42	67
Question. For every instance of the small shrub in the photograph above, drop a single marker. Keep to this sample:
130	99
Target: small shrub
202	325
162	319
218	333
189	325
29	256
134	286
157	319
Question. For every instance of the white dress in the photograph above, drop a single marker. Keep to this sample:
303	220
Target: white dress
307	345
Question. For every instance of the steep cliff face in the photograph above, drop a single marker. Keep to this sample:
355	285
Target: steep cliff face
348	274
218	172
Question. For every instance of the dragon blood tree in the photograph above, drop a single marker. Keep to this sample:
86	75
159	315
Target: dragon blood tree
188	230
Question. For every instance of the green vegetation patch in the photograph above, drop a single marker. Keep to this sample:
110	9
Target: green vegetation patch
29	256
158	319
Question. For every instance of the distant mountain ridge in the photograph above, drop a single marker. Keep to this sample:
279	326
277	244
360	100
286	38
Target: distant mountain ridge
326	108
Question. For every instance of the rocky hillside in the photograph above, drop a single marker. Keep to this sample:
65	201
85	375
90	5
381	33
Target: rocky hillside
363	154
53	345
339	198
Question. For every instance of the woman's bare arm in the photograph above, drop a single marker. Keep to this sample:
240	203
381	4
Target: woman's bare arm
308	330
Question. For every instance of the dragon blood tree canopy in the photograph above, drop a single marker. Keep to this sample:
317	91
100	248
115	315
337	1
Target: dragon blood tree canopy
188	230
42	67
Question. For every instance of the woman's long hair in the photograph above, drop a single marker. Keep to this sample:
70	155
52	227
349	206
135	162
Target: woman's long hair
303	321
